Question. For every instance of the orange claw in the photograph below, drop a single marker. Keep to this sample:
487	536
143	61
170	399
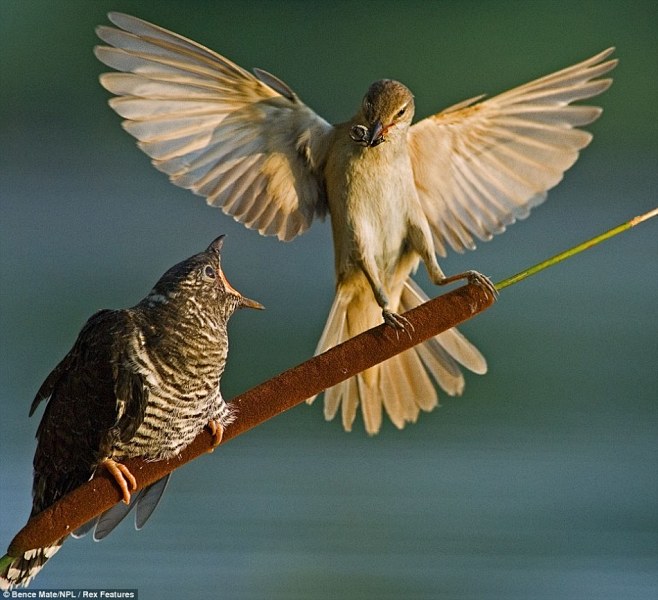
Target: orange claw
217	432
122	476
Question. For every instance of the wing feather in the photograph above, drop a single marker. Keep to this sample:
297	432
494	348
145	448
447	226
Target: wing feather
479	167
245	143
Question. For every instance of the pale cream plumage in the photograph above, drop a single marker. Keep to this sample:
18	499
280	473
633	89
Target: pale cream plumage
251	147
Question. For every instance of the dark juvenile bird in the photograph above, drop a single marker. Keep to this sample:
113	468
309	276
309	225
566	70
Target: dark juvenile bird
397	193
142	381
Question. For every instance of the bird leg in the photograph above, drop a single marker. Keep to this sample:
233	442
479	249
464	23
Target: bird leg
122	476
392	319
472	277
217	432
421	240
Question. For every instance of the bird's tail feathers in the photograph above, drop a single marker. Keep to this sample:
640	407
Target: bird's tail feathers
451	342
402	385
20	571
17	572
144	502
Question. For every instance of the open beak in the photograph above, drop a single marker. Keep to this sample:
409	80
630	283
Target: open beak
376	134
244	302
248	303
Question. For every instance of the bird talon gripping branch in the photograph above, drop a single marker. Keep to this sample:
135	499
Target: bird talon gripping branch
473	277
397	322
483	281
122	475
217	432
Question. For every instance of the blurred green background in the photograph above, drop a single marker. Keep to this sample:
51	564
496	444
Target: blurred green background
540	482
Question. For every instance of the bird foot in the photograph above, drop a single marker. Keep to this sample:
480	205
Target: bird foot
475	278
217	431
124	478
397	322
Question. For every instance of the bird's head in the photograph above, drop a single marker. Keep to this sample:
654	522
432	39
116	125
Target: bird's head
386	109
199	284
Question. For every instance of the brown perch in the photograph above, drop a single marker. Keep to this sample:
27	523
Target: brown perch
259	404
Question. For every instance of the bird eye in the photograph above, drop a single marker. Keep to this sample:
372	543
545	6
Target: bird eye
209	272
401	112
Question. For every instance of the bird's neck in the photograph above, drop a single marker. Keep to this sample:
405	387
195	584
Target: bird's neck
183	342
184	324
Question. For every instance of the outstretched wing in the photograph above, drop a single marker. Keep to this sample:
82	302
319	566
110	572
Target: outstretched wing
246	143
480	166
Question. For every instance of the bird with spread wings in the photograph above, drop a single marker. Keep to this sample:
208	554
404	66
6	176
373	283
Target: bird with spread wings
397	193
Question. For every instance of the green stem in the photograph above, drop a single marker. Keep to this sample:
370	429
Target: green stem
5	561
575	250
